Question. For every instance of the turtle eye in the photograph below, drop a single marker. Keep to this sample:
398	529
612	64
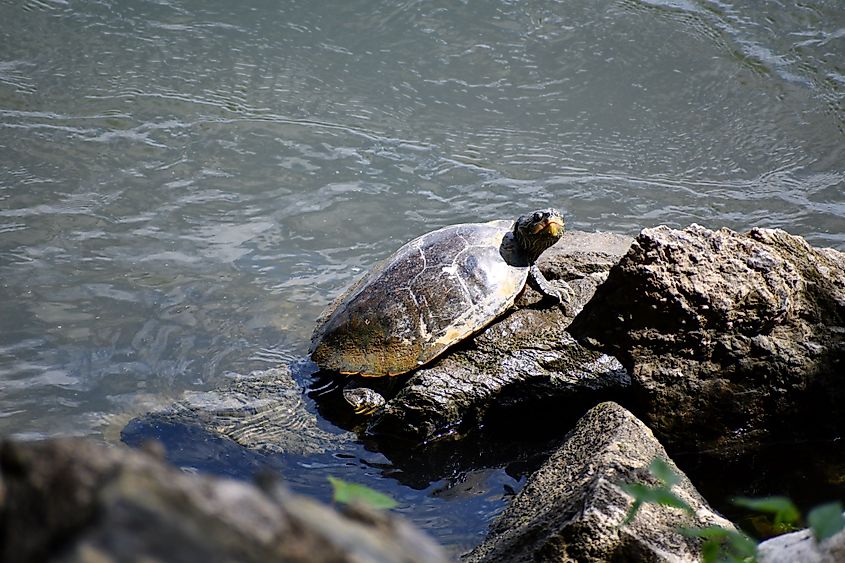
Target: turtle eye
537	216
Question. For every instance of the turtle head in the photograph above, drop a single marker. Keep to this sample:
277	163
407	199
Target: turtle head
537	231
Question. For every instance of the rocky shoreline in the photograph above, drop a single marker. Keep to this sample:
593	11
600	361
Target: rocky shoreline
692	340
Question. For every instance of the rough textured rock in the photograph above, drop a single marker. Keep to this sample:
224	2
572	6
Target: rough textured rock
72	500
727	336
523	358
801	546
571	509
261	411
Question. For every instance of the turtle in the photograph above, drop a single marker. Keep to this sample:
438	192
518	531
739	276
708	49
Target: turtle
432	293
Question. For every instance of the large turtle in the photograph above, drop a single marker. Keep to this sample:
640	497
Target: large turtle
433	292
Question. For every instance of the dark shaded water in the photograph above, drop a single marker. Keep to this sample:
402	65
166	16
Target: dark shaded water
184	185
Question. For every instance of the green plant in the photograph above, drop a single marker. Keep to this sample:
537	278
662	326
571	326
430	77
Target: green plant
658	494
722	544
785	515
826	520
347	493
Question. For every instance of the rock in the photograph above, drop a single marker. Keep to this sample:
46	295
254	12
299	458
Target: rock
523	359
73	500
801	546
572	508
262	411
728	337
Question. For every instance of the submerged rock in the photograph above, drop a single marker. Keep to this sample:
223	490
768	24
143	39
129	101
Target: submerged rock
262	411
572	508
727	336
523	359
73	500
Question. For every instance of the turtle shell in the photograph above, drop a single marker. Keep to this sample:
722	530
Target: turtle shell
433	292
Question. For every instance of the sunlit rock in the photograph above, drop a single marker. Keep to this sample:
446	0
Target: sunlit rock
572	508
73	500
729	337
802	546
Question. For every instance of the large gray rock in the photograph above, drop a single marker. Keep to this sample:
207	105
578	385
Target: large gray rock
523	359
727	336
73	500
572	508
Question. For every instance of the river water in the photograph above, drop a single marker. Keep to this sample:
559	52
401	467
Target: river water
185	184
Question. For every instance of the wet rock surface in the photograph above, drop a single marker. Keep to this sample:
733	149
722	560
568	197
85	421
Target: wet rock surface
729	337
524	359
572	508
73	500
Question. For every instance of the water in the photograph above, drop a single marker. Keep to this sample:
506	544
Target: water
184	185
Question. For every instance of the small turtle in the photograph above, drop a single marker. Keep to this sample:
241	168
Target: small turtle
433	292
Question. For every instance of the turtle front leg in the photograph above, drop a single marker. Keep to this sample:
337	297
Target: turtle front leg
363	400
563	298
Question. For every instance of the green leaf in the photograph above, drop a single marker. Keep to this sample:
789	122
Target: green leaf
655	495
636	490
782	508
668	498
632	512
346	493
661	470
826	520
708	533
742	547
710	551
731	545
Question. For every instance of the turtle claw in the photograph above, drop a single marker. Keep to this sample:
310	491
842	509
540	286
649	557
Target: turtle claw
364	410
559	292
565	297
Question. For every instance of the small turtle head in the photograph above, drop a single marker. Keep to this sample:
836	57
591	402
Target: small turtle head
537	231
